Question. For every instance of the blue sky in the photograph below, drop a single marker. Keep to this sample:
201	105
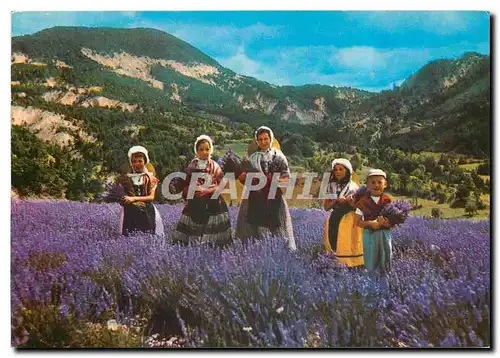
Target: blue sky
367	50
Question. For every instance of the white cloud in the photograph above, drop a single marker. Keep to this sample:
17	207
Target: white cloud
439	22
288	70
360	57
244	65
221	40
129	13
349	66
363	67
400	82
371	59
355	66
207	34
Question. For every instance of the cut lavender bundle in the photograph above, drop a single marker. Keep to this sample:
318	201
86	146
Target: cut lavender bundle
362	190
232	163
396	212
114	193
176	185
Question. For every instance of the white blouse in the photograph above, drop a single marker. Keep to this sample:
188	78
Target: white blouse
333	188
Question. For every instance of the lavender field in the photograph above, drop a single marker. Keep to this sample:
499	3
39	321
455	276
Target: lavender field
77	283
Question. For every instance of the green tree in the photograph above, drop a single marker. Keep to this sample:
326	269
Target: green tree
479	203
357	162
484	168
461	196
394	182
37	167
471	208
436	213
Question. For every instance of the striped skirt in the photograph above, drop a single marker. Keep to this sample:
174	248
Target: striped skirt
204	221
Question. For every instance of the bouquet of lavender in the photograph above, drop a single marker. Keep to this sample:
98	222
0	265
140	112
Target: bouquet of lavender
114	193
362	190
176	185
396	212
232	163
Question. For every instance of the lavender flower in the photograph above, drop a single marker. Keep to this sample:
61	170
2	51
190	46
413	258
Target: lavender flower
232	163
177	185
71	258
114	193
397	212
360	192
325	263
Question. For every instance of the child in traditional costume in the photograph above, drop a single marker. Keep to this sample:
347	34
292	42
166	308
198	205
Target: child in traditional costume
377	246
204	219
139	185
259	215
342	235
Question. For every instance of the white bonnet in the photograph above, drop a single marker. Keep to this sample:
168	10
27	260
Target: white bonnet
267	129
204	137
138	149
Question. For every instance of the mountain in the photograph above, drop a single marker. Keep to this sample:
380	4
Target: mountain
93	92
444	106
177	71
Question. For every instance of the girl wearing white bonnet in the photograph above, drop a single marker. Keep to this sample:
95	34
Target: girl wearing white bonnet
342	236
258	215
204	220
139	213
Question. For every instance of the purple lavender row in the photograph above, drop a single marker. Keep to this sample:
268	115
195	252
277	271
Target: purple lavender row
70	256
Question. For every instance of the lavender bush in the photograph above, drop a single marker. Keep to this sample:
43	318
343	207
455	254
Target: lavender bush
77	283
